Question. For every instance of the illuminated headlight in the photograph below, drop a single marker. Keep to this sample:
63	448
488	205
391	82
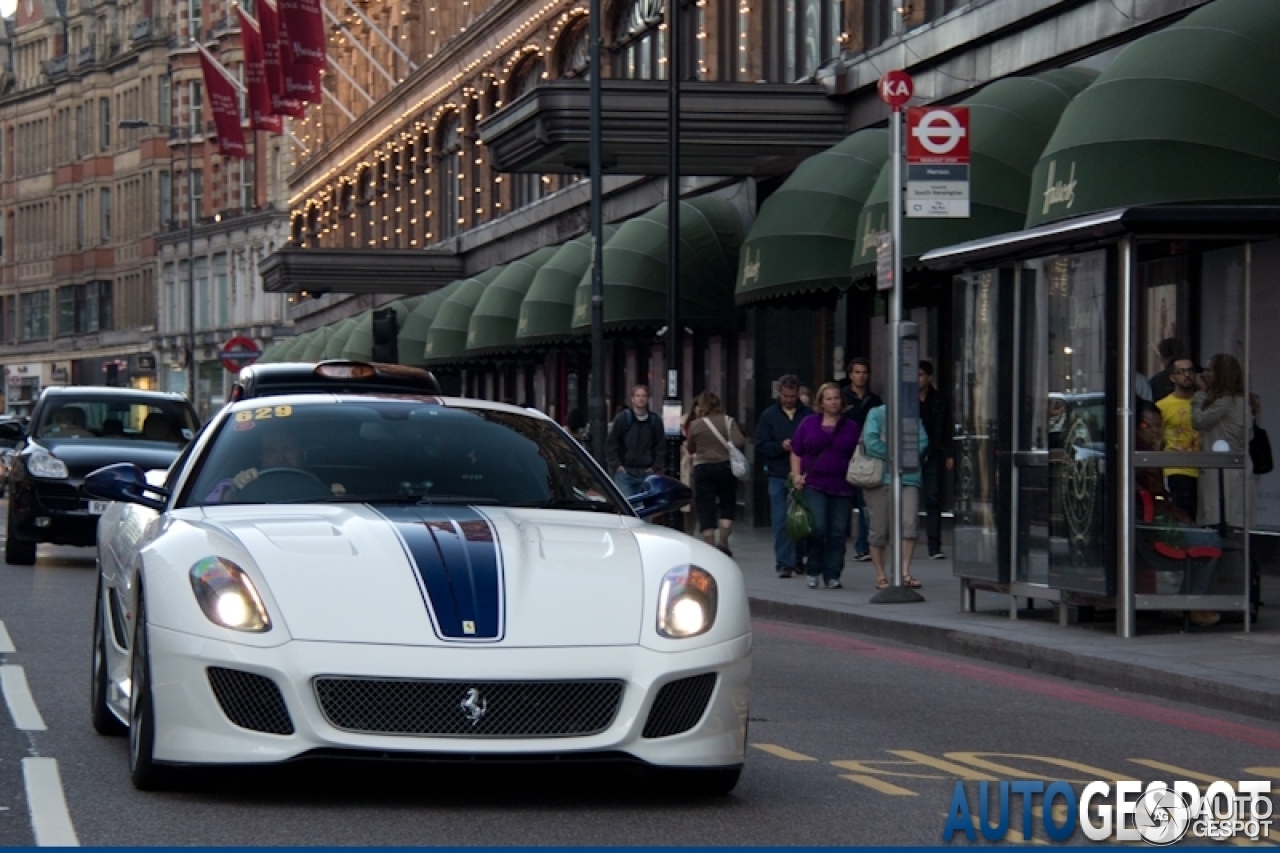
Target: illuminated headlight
45	464
227	596
686	603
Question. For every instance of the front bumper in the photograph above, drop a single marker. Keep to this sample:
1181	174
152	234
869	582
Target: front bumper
60	501
192	728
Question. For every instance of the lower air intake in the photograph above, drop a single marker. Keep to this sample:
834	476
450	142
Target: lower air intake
679	706
250	701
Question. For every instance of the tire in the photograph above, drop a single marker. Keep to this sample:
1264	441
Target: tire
146	774
18	552
698	781
105	722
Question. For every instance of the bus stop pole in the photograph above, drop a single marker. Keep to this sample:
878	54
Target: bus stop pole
893	397
1125	422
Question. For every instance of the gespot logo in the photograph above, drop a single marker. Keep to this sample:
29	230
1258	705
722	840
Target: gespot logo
1159	814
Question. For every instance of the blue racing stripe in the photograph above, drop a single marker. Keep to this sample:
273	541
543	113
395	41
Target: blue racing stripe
455	551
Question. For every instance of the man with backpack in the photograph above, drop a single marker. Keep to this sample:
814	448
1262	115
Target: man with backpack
636	443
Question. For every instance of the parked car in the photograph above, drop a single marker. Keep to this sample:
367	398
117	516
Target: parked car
74	430
391	577
8	442
335	376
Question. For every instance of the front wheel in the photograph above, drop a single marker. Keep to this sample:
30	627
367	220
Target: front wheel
104	722
147	775
17	552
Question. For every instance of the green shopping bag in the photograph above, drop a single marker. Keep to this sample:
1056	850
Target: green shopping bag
799	518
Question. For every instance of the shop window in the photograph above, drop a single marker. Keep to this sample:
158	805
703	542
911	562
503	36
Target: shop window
573	51
34	310
640	41
806	34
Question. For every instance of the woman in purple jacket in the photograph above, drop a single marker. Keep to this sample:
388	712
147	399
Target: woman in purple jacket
820	451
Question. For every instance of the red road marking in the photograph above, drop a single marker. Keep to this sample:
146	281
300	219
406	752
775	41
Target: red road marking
1092	697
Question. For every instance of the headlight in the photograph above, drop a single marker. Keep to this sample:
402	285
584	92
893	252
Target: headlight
42	463
686	603
227	596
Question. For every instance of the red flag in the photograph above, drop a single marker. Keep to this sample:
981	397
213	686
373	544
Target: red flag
255	77
224	103
304	22
272	61
301	81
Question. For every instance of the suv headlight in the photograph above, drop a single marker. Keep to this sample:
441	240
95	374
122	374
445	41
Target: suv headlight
686	602
42	463
228	597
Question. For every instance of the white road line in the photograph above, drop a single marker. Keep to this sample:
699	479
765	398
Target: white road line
17	695
50	820
6	644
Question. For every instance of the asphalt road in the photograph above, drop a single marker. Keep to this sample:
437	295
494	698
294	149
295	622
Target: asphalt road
853	743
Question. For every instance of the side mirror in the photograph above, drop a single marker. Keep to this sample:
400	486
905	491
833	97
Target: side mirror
661	494
126	482
12	431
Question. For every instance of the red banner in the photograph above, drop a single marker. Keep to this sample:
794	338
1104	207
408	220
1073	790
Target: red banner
224	102
301	81
304	21
273	62
261	116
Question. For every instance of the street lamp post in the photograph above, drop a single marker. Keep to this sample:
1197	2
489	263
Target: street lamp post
189	357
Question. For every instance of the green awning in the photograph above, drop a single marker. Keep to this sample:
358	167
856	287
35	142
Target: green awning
1190	113
411	343
1009	123
635	268
271	353
360	344
546	314
447	337
493	323
291	348
806	231
316	342
341	331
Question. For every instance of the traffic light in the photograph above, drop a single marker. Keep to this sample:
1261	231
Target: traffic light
385	331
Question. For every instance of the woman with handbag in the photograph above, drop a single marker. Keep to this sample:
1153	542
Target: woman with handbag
875	444
715	488
820	451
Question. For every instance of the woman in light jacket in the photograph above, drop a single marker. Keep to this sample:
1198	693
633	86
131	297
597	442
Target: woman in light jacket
875	443
1218	413
715	489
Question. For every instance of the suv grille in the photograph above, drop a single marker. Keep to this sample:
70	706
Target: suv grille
250	701
679	705
469	708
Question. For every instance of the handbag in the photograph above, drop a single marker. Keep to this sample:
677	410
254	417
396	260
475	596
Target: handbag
865	472
737	459
798	521
1260	451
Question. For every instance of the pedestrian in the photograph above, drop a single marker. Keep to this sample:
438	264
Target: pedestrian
935	416
1170	351
715	489
875	443
821	448
859	399
773	445
1179	436
636	443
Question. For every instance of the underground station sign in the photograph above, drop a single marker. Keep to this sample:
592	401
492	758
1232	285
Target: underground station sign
938	162
239	352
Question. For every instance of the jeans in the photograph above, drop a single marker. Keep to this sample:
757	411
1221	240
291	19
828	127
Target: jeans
1200	571
931	477
859	501
629	484
830	524
786	554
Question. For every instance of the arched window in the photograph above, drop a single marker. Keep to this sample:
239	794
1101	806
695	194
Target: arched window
492	103
640	42
448	188
526	187
573	49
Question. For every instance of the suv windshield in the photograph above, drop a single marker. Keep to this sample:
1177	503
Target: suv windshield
123	418
395	451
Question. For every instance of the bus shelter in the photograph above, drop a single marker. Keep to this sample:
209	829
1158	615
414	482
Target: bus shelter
1060	487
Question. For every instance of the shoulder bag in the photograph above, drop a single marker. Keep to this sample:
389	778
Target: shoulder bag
865	472
737	459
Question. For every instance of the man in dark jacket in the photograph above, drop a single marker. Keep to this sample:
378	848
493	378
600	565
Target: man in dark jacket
935	416
773	445
635	445
859	400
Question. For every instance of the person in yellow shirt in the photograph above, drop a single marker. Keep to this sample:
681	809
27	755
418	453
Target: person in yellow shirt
1175	410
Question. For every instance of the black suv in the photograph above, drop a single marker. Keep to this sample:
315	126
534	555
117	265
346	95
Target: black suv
336	376
73	431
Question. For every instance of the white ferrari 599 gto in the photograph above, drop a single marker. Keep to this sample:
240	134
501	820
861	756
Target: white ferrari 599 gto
324	575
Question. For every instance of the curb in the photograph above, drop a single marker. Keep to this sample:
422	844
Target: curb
1099	672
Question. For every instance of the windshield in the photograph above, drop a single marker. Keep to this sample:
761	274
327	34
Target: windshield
123	418
395	451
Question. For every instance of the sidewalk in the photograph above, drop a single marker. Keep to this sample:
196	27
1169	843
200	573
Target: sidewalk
1220	667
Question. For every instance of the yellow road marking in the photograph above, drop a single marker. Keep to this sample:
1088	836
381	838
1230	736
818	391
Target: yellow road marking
783	752
958	770
1272	772
879	785
1090	773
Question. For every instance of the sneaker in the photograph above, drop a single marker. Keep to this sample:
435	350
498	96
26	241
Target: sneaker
937	555
784	573
1205	618
813	581
862	558
835	584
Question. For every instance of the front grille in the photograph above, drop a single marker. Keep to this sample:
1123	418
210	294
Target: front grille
60	497
250	701
469	708
679	706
